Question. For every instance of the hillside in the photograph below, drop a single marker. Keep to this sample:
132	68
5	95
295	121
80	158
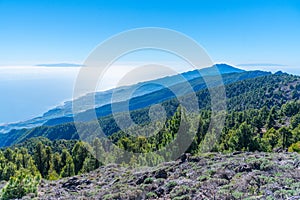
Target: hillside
242	90
263	115
137	104
63	113
210	176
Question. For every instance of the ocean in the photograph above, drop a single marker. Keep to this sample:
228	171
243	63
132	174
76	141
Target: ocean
28	92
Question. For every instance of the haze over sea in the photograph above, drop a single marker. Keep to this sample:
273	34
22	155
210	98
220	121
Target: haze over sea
29	91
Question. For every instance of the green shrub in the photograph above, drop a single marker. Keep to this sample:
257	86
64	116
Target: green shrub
237	195
202	178
295	147
20	185
171	184
151	195
184	197
180	191
148	180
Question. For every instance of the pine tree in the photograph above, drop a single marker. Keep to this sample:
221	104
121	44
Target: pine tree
242	139
40	158
9	170
79	153
286	137
271	118
52	174
48	160
271	137
9	154
88	164
99	152
57	162
64	155
68	169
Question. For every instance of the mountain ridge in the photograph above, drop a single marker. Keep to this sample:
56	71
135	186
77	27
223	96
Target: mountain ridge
237	89
105	97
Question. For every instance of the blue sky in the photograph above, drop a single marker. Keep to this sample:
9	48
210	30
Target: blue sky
264	34
236	32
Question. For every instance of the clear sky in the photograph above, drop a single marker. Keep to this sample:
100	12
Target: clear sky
236	32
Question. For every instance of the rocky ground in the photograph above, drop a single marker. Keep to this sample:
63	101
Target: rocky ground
210	176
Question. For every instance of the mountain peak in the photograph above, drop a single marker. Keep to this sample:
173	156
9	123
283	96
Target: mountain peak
225	68
211	71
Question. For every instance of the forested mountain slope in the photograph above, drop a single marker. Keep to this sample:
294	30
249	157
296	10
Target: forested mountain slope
63	113
263	116
253	93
